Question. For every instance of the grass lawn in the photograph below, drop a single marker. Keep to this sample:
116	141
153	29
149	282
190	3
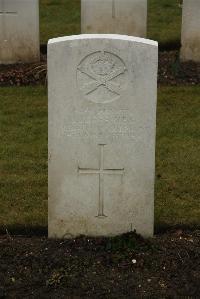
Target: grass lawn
23	152
62	17
59	18
177	157
164	21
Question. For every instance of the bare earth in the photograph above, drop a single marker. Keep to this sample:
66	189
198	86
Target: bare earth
167	266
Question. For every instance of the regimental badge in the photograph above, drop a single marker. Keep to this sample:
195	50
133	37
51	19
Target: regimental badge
101	77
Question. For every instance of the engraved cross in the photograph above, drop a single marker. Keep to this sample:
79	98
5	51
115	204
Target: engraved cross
101	171
3	14
113	9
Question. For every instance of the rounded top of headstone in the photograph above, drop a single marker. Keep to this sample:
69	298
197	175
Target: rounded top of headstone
103	36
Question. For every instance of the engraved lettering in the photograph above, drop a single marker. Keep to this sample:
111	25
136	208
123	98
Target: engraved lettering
115	124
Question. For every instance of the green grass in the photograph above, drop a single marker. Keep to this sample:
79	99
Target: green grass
59	18
23	152
178	159
62	17
164	21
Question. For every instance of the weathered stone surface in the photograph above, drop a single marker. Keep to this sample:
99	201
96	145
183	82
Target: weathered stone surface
114	16
191	31
102	122
19	31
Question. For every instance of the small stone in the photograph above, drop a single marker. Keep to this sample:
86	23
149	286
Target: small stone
149	280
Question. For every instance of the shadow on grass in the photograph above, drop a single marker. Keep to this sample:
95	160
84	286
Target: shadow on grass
24	230
117	242
170	46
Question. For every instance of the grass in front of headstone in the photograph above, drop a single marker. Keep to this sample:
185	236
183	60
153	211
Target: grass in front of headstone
23	152
177	198
62	17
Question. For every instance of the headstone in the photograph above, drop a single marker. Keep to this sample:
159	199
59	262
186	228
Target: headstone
191	31
102	121
114	16
19	31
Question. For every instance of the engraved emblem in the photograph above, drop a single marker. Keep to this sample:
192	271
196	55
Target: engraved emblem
101	77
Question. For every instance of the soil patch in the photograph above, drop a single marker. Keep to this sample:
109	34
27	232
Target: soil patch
171	72
166	266
24	74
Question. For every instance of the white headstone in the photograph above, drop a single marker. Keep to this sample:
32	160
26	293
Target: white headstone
114	16
19	31
102	123
191	31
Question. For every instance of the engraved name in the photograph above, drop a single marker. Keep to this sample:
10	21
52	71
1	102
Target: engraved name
108	124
